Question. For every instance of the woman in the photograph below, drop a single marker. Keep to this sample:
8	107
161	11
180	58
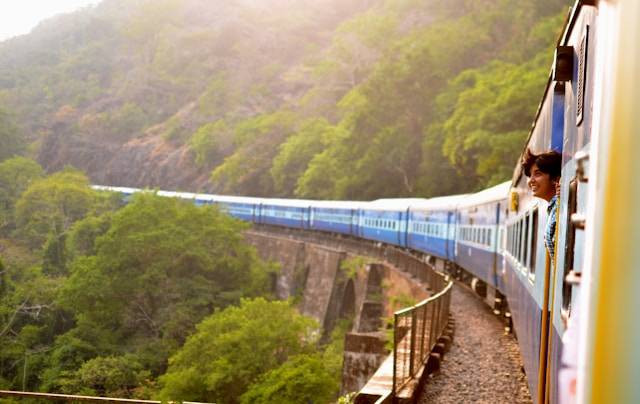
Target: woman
544	171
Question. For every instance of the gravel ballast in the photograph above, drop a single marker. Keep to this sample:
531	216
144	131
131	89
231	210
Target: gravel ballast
484	365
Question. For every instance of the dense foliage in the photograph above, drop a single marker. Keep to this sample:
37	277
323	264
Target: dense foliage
154	298
349	99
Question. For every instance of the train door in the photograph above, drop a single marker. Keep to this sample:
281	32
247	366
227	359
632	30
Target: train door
577	96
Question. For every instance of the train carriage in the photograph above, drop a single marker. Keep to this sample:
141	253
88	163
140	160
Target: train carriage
285	212
432	226
240	207
335	216
384	220
478	232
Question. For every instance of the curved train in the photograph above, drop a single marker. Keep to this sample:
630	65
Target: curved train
495	237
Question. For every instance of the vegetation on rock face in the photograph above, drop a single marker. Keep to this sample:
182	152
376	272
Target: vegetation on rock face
354	99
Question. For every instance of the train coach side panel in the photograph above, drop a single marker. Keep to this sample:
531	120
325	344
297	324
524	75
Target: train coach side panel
527	317
332	220
428	232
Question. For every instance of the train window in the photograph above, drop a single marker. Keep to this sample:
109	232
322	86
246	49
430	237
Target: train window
569	252
534	241
525	245
518	238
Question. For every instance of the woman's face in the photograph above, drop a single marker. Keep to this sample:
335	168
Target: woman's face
541	184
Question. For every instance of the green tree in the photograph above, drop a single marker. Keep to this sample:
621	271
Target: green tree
162	266
302	379
111	376
296	152
49	206
489	122
16	174
210	143
11	142
234	347
246	171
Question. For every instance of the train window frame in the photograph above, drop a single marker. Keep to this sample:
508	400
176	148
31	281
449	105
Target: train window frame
570	239
524	256
533	248
522	251
516	249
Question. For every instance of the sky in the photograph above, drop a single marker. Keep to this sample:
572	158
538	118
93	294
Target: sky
18	17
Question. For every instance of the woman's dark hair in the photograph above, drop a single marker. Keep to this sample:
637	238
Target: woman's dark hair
549	163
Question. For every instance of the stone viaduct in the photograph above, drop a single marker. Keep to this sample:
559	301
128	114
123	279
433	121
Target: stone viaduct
334	278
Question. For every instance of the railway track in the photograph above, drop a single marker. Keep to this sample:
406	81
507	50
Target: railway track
484	365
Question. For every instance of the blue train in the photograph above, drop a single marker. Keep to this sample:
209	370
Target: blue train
494	238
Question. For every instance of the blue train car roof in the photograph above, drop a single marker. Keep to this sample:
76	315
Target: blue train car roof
401	204
493	194
338	204
438	203
293	203
232	199
181	195
124	190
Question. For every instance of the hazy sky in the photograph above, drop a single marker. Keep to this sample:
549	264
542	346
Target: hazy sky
20	16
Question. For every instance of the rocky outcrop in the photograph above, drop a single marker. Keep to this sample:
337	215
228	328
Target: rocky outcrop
145	162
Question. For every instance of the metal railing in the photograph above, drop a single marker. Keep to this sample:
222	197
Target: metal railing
416	332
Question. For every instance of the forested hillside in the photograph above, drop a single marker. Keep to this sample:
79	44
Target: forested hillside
353	99
101	298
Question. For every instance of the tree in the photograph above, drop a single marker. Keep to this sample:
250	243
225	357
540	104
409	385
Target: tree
162	266
234	347
48	207
210	143
296	152
11	142
16	174
111	376
246	171
302	379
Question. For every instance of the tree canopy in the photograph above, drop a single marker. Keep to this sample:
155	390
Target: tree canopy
233	347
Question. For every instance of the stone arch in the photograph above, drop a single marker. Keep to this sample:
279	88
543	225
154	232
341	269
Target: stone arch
374	282
348	303
372	307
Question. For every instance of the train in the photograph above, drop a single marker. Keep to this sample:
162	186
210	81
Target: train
572	315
